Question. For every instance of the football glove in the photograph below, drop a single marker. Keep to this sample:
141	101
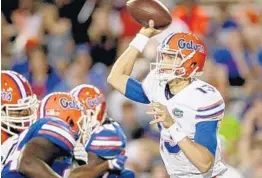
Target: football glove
118	163
80	153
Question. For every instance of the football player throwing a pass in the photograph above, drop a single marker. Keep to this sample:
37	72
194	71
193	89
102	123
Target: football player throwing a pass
187	110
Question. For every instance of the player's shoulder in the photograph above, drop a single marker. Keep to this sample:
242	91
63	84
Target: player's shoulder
51	126
54	123
56	131
201	94
206	100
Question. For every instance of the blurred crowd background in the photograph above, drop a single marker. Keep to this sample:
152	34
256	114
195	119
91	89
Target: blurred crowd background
59	44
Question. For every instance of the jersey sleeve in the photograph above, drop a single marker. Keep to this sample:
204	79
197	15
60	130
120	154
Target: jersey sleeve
208	102
206	135
212	110
59	133
144	92
106	142
209	111
135	92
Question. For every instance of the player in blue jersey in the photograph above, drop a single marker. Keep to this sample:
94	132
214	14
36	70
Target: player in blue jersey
62	121
106	146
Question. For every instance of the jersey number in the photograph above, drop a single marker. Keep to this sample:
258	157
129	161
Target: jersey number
206	88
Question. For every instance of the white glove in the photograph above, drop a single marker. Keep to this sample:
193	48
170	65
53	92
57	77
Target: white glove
118	163
80	152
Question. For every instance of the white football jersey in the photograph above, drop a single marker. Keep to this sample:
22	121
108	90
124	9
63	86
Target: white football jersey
6	147
198	102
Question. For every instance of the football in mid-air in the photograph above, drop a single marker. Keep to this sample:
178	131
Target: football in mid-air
144	10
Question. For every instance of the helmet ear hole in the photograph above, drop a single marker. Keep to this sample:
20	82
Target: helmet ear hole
70	121
92	114
193	64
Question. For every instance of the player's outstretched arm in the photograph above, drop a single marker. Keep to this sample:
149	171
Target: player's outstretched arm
35	156
121	70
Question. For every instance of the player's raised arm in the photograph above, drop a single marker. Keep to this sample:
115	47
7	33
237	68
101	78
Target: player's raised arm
35	156
119	76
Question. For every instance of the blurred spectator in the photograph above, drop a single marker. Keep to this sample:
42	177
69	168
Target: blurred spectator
98	75
116	99
251	141
103	41
61	49
255	169
5	57
140	154
158	169
41	76
20	64
130	122
231	171
79	72
252	42
58	38
28	23
216	75
7	8
193	15
79	12
230	54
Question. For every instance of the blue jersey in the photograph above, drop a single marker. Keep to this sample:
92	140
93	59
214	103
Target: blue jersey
54	130
107	141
